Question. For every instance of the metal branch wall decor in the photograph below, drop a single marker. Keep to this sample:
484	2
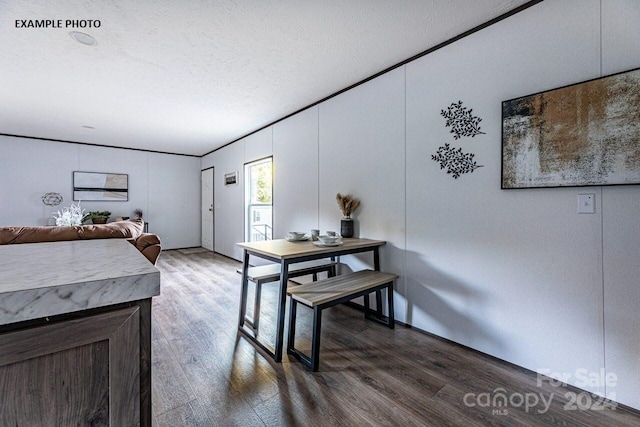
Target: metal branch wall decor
462	123
455	161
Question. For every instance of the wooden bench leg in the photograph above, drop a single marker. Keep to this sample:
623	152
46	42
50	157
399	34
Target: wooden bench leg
315	339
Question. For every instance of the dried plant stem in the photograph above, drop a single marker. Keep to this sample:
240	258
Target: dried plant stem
347	204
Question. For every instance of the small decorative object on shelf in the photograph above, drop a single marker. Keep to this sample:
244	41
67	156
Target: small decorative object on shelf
347	204
72	215
97	217
138	213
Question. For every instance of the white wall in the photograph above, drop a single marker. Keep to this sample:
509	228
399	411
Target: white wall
166	187
295	177
620	217
258	145
228	199
362	152
174	199
516	274
229	215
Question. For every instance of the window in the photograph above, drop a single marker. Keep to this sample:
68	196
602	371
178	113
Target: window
259	200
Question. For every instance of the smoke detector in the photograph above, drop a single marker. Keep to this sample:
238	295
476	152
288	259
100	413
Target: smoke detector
83	38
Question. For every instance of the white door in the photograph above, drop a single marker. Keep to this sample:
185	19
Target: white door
206	181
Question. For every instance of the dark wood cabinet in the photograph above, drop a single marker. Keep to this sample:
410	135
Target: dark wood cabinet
91	368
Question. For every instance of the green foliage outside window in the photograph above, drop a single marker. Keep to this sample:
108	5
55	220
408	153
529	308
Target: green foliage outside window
263	183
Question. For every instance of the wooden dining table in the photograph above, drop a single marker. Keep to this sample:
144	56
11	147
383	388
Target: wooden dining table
285	253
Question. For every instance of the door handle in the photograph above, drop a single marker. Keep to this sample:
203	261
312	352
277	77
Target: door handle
211	208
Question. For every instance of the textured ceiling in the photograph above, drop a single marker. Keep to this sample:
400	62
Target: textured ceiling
189	76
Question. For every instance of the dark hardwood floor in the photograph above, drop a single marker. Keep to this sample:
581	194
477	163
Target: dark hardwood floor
205	375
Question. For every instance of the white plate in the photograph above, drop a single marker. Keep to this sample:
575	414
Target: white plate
327	244
302	239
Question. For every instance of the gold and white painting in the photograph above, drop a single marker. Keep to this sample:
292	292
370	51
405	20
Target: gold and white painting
584	134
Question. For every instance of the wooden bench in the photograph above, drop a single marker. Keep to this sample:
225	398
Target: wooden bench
271	273
329	292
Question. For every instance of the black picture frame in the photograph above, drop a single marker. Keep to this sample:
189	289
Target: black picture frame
231	178
583	134
100	186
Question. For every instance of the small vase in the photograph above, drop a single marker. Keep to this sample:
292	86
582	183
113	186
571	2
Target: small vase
346	227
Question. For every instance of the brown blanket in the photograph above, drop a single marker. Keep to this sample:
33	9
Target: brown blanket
129	229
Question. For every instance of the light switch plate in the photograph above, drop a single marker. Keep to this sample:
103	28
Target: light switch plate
587	203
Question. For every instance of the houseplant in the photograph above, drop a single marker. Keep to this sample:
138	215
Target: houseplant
347	204
97	217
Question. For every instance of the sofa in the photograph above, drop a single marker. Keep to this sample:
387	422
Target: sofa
132	230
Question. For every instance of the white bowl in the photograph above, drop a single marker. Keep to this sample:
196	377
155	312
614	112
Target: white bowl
327	240
295	235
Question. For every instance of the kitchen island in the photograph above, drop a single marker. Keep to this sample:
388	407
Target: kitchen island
75	333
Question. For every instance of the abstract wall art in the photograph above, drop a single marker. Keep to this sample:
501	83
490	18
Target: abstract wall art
584	134
231	178
90	186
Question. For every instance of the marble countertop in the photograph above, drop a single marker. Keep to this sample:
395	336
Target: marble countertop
44	279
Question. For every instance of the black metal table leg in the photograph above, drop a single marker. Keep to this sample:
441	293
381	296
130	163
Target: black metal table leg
256	306
292	326
376	259
244	289
315	341
282	301
376	267
251	334
392	320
